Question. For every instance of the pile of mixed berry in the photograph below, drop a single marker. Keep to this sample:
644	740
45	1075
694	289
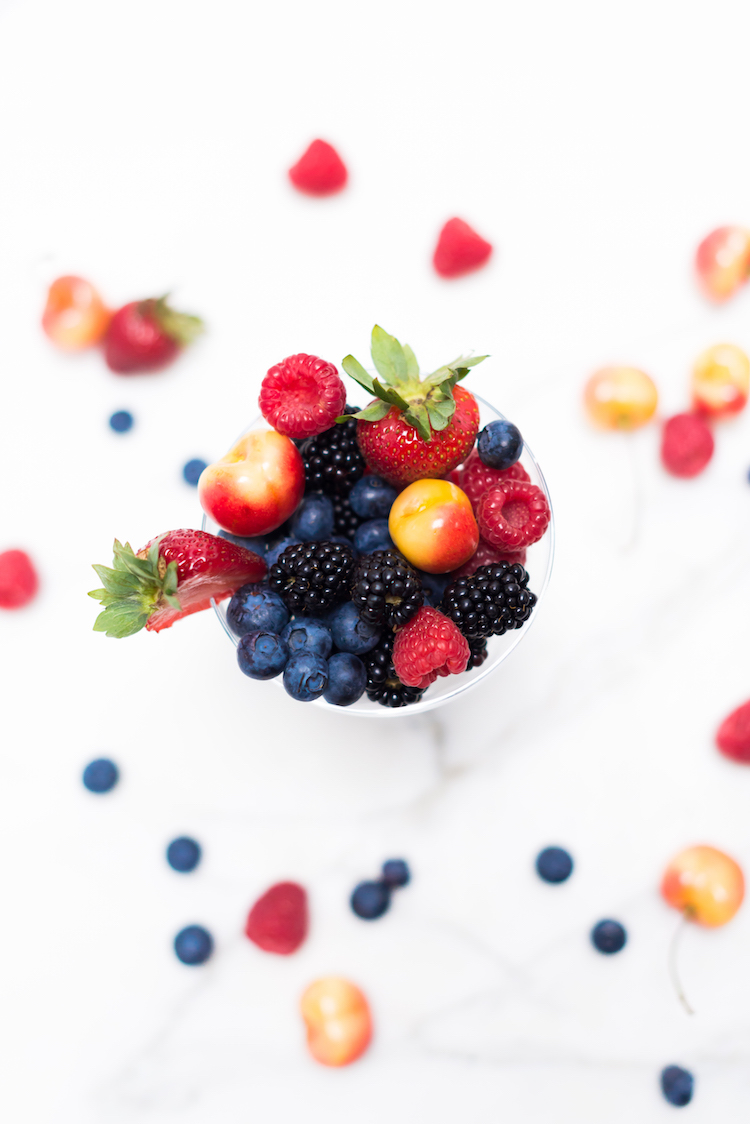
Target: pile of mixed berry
364	551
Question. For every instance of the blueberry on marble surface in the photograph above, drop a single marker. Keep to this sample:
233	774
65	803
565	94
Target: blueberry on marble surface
192	470
256	608
183	854
313	520
500	444
372	498
262	655
396	873
350	633
308	634
306	676
121	421
554	864
193	945
347	679
101	775
370	900
677	1085
608	937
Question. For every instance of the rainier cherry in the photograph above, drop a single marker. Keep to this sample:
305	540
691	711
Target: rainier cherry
338	1021
620	398
74	316
721	380
722	261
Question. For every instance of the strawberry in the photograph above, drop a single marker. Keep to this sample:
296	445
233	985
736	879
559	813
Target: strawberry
278	921
176	574
460	249
147	335
319	171
417	428
18	579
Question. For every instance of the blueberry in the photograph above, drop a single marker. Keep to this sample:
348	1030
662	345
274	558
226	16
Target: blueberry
313	520
256	608
347	679
372	498
257	545
434	586
276	547
262	655
308	635
192	470
500	444
370	900
677	1085
608	937
553	864
193	945
350	632
396	873
306	676
100	775
183	854
373	535
121	421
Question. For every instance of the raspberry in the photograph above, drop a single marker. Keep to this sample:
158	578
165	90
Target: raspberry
476	478
18	579
733	736
278	920
687	445
428	646
302	396
513	515
460	249
319	171
486	555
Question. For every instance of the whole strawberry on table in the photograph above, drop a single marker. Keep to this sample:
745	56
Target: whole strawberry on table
365	551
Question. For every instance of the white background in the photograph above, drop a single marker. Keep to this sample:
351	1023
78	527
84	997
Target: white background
144	145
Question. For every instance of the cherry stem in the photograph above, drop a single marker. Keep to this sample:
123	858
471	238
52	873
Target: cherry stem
673	970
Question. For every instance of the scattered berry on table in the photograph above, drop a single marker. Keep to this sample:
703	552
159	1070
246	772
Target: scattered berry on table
499	444
121	421
345	519
513	515
262	655
279	920
687	445
385	588
554	864
308	634
313	521
191	471
477	652
490	602
313	577
302	396
721	380
373	535
183	854
722	261
74	316
733	735
608	937
383	684
370	900
677	1085
19	582
476	478
256	608
337	1020
257	544
193	945
351	633
428	646
372	498
487	555
306	676
396	873
620	398
347	679
147	335
459	249
274	551
101	775
319	171
706	886
333	462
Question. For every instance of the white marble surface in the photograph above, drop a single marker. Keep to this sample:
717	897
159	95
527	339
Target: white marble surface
144	145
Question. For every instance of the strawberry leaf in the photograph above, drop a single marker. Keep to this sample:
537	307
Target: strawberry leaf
356	371
440	413
123	619
372	413
388	356
387	394
412	367
418	417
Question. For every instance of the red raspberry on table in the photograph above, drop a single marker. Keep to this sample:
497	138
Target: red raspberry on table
320	170
476	478
278	921
460	249
487	555
428	646
18	579
302	396
513	514
687	445
733	736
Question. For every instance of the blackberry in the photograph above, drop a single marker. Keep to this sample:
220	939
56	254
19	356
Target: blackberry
333	462
383	685
312	577
345	519
493	600
386	588
478	653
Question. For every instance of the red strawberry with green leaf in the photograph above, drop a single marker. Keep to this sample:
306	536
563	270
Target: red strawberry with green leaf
147	335
175	575
418	427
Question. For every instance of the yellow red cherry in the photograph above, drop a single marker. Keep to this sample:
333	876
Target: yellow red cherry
256	486
338	1021
722	261
620	398
75	316
721	380
432	523
705	885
